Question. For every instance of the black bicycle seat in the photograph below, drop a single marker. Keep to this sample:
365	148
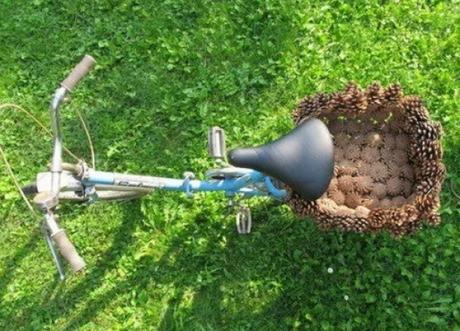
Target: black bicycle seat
302	159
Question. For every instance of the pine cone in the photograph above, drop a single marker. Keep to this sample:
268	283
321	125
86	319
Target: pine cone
345	183
379	171
393	168
434	219
407	172
344	211
385	203
353	199
402	141
394	186
379	190
346	168
389	141
398	201
362	212
374	94
426	205
326	221
425	131
355	99
364	184
431	169
361	225
333	185
400	157
406	188
337	196
337	102
410	125
326	205
370	154
393	93
426	186
386	155
374	139
377	219
414	108
303	207
426	150
365	168
341	140
311	107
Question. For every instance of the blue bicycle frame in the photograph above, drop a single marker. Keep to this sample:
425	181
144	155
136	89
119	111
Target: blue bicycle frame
250	183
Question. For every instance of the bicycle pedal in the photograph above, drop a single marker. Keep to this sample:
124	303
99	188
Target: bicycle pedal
216	143
244	220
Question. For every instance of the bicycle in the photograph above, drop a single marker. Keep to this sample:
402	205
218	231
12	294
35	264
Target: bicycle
301	160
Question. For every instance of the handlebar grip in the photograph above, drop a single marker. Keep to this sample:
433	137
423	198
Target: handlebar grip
68	251
78	72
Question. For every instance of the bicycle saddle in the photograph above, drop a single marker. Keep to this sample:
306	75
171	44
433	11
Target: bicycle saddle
302	159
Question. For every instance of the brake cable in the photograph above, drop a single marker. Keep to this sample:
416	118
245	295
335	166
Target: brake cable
47	131
16	183
88	138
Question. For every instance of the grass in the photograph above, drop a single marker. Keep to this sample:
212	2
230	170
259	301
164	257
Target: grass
166	72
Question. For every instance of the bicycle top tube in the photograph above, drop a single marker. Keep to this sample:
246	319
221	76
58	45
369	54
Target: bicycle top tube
240	185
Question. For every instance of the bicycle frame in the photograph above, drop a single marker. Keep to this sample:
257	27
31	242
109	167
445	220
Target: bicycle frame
83	182
249	182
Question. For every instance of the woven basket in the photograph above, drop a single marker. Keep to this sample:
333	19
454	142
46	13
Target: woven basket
388	168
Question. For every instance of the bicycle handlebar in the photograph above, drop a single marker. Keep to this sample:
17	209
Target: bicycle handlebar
68	251
48	202
78	72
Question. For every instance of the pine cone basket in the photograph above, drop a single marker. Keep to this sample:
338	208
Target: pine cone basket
388	158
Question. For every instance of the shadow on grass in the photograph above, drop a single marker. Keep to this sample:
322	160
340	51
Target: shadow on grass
194	280
12	263
197	279
187	273
55	300
180	275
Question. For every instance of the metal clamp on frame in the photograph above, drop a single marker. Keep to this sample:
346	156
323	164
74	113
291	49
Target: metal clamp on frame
188	176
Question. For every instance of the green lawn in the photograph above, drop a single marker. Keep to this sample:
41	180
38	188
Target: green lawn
166	72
